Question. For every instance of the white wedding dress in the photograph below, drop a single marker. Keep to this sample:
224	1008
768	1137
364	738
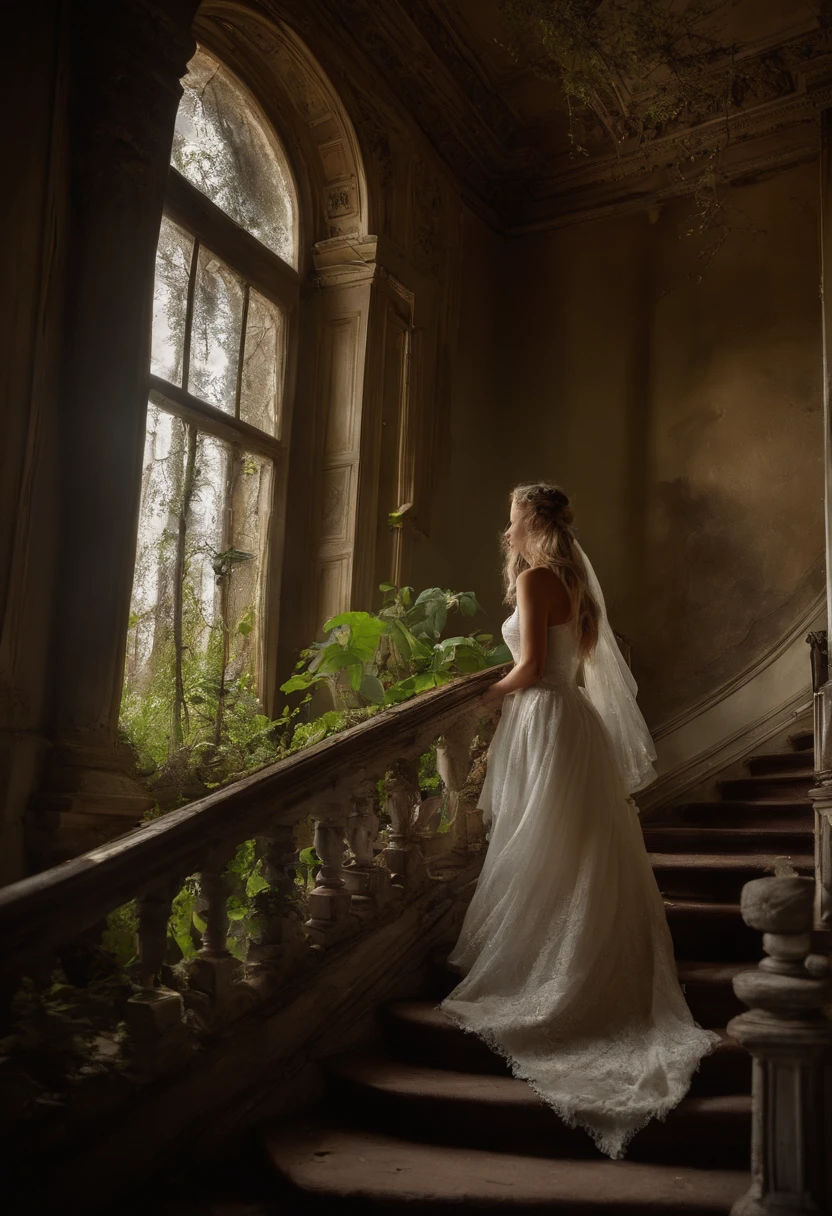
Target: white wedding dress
565	950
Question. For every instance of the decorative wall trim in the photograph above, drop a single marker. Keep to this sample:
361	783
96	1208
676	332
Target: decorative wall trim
747	674
711	762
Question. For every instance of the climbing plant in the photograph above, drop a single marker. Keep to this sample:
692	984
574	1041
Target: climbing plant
636	68
368	661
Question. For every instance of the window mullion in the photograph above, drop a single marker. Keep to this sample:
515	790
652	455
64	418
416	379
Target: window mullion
189	315
242	353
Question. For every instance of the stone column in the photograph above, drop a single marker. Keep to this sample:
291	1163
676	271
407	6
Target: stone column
790	1038
124	63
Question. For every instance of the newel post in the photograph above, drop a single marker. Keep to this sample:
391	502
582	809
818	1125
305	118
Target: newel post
790	1038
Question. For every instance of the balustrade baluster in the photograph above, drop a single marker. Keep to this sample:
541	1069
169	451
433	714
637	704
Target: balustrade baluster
155	1034
403	855
790	1039
453	763
280	941
329	903
367	883
214	970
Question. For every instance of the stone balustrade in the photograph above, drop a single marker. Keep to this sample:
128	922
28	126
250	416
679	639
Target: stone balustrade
166	1012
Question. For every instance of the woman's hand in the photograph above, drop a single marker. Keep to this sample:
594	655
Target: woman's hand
491	702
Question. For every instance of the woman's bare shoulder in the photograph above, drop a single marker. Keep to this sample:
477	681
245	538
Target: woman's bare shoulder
541	583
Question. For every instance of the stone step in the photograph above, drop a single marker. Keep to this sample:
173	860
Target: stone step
767	785
781	762
707	987
709	992
327	1168
503	1113
419	1033
794	813
715	876
685	838
714	931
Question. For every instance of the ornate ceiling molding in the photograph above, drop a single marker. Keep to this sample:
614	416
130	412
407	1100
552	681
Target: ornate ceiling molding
425	57
424	50
741	147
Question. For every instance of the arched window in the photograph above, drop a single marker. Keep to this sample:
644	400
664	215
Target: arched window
201	629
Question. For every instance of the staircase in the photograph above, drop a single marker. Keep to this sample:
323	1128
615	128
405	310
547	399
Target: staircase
431	1121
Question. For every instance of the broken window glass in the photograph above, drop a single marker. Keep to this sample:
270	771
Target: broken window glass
223	147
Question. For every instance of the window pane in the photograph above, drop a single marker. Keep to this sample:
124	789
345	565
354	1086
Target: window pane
170	301
194	641
223	147
261	389
215	335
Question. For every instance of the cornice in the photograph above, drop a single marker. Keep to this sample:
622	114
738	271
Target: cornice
419	47
421	55
778	136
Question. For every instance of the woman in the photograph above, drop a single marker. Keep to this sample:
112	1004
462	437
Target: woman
565	949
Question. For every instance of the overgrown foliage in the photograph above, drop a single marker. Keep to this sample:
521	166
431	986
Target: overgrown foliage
386	657
637	68
368	661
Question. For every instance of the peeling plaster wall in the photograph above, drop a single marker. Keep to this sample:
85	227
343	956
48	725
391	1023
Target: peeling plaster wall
685	419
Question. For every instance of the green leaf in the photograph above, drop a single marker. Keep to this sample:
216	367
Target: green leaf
335	659
468	605
365	633
500	654
246	622
296	683
372	689
343	618
387	586
430	594
255	884
468	660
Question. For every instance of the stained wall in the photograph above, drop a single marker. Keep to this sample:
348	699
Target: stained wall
677	396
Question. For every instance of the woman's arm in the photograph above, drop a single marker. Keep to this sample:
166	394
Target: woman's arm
534	601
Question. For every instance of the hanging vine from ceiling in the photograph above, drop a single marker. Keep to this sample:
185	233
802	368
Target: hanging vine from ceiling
639	67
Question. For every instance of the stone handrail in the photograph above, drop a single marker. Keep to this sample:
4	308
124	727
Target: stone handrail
335	783
40	912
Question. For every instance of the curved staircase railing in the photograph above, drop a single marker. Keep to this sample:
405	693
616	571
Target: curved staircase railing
358	886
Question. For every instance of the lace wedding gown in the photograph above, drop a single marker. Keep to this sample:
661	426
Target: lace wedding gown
565	950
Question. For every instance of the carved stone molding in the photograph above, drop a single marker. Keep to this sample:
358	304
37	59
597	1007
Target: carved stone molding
433	64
